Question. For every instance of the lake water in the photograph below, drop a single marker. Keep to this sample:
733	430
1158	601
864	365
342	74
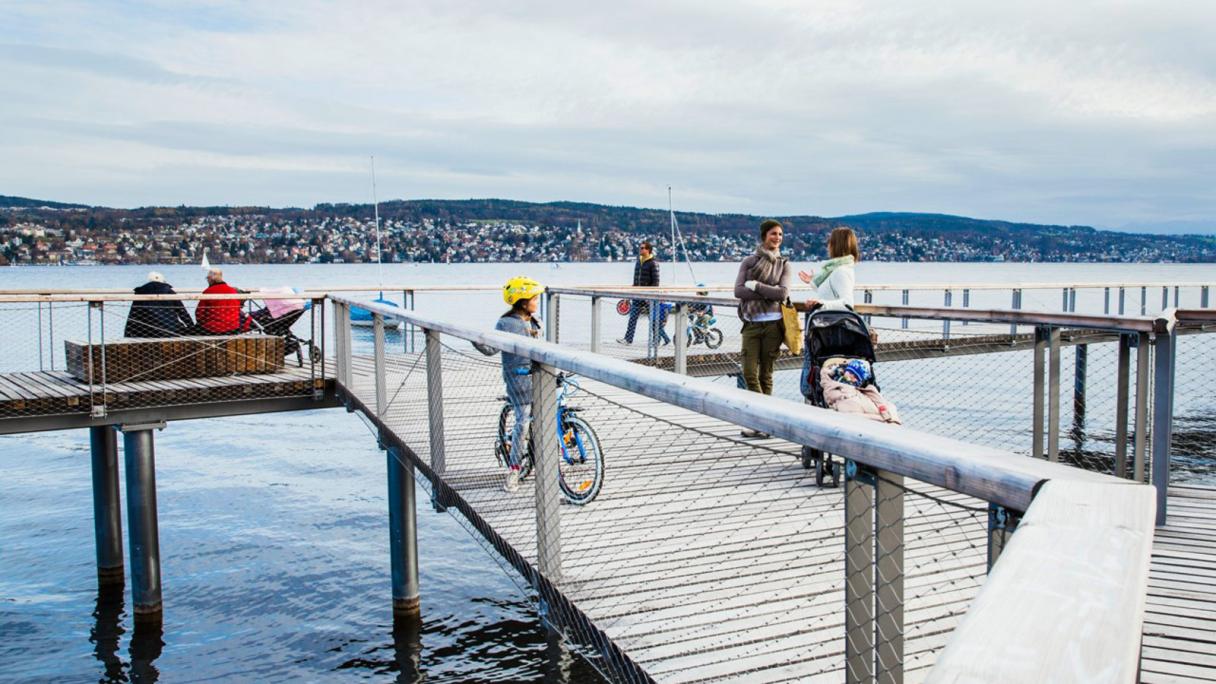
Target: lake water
274	531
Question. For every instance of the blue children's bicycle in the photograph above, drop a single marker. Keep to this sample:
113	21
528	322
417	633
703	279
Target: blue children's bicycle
581	469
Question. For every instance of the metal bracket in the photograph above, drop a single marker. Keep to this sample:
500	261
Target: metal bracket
99	411
1001	518
136	427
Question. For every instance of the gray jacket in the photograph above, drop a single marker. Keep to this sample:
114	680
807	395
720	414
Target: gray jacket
768	297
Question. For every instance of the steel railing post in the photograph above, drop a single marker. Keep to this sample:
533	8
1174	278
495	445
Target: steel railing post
868	298
679	338
101	322
107	509
1203	302
1176	296
947	301
1164	348
858	577
1040	365
889	577
904	299
1122	300
1016	305
1165	298
1053	396
546	453
338	342
1080	366
595	324
1140	426
551	304
50	314
381	369
1072	300
1106	301
1143	301
1064	305
434	400
966	301
403	536
1121	405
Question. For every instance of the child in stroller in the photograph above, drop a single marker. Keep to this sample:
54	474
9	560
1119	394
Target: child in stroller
276	318
838	373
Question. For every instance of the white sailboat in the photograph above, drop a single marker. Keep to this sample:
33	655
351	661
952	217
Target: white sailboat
363	317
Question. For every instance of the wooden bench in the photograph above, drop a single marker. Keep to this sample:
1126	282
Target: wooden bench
173	358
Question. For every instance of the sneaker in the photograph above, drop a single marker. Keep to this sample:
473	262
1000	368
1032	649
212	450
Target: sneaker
755	434
512	483
622	340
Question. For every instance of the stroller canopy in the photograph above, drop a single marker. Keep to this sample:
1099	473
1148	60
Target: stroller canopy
281	307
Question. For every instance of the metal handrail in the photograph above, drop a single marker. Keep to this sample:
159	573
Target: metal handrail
1020	603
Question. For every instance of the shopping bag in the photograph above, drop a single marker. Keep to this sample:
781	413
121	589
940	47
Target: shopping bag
793	330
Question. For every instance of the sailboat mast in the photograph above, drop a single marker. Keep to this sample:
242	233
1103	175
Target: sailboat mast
676	234
376	210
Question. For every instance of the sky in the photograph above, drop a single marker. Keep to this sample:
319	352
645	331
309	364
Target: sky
1090	113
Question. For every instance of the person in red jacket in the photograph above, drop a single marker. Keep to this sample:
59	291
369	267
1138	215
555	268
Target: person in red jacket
220	316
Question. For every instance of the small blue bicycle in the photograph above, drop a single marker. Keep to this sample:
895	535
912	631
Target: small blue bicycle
581	469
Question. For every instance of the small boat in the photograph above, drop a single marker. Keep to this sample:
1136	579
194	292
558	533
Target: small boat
363	317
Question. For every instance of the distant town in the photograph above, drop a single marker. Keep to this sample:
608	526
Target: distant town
504	231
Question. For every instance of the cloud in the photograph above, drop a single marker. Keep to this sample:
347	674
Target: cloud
1100	113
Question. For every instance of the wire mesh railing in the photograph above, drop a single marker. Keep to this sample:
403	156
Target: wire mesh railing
695	554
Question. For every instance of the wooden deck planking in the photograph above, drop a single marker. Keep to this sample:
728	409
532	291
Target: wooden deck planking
707	558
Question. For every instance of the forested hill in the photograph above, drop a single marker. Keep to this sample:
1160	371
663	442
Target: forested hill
36	231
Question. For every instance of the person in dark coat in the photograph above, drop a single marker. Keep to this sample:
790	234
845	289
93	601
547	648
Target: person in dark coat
157	318
645	274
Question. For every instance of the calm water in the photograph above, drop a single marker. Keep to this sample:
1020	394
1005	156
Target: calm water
274	529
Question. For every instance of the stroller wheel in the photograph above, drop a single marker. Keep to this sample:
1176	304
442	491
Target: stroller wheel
825	466
807	458
820	467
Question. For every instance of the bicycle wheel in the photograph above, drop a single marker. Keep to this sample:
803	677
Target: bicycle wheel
581	469
713	338
502	445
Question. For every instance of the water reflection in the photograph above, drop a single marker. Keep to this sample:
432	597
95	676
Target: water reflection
407	649
107	633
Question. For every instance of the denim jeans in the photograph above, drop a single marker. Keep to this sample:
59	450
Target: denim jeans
519	394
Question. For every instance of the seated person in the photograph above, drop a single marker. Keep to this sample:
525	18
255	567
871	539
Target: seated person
157	318
220	316
848	387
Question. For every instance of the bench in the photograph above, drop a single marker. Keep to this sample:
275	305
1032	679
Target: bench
174	358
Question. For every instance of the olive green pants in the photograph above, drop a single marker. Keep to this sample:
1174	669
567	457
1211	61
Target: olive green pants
761	344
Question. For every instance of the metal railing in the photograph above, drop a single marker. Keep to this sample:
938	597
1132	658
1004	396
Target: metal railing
1074	533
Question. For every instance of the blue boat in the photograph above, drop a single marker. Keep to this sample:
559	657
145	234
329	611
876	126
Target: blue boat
363	317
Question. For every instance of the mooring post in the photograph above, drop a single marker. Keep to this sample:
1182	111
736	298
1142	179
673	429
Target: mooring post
403	535
947	301
595	325
434	400
858	575
142	527
1122	384
1140	442
1164	348
1080	362
1053	396
107	509
903	323
1040	365
889	577
546	455
679	335
381	368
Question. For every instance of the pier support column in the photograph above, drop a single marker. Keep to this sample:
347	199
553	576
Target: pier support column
1081	362
107	509
1122	384
1164	347
143	531
403	536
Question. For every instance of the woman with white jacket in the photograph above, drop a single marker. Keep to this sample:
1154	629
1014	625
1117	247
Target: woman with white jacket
834	280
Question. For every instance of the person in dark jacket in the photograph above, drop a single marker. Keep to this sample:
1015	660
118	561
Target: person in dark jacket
220	316
645	274
151	318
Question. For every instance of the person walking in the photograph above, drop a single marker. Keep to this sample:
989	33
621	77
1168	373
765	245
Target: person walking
645	274
150	318
834	279
522	294
762	284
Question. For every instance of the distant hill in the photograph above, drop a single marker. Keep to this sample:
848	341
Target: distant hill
8	202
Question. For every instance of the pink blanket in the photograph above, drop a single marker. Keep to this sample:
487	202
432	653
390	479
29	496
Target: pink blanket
862	401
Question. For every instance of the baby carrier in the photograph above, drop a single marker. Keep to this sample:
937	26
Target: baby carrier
830	334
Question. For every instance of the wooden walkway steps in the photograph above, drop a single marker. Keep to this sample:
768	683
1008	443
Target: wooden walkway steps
711	558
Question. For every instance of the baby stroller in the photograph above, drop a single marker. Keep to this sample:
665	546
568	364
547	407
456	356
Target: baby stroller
276	318
829	334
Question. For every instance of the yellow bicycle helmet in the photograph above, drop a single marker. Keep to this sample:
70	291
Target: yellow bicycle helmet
520	287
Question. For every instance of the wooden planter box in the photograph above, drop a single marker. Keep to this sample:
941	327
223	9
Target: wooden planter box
135	359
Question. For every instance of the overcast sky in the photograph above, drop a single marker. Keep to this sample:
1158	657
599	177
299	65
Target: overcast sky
1100	113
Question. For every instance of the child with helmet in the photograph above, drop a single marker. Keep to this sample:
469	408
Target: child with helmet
523	295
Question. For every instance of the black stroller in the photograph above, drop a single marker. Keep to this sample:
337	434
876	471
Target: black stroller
276	318
830	334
